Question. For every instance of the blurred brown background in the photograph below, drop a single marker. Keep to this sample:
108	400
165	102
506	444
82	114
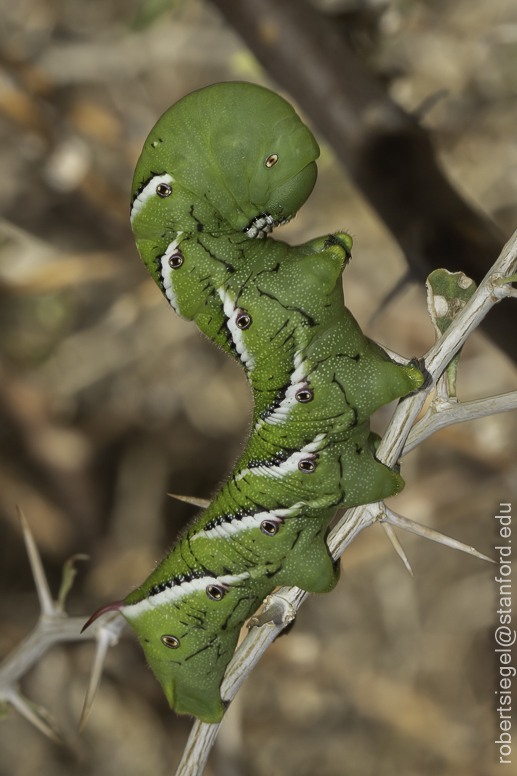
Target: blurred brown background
108	401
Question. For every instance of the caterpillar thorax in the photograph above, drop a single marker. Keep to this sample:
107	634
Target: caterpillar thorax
219	170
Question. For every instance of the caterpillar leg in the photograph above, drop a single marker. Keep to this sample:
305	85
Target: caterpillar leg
308	565
365	479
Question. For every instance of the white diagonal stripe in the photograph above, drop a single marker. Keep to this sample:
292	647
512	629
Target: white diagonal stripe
229	528
167	274
148	191
288	466
231	313
177	592
298	380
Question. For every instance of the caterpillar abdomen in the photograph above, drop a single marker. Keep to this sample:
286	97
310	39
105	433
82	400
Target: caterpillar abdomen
219	170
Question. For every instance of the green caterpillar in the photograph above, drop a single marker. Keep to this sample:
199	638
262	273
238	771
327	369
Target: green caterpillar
220	169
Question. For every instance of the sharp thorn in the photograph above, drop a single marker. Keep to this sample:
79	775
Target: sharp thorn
197	502
392	536
35	714
430	533
45	598
104	640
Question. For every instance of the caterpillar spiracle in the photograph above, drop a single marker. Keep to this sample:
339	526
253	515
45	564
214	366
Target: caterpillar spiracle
219	170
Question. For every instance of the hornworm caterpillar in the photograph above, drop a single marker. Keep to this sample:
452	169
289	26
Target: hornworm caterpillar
219	170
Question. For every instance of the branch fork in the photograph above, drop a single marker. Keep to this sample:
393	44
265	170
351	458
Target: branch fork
53	626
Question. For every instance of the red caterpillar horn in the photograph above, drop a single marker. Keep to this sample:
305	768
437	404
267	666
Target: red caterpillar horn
114	607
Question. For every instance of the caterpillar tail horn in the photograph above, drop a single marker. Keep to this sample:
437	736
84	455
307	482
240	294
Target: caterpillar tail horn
114	607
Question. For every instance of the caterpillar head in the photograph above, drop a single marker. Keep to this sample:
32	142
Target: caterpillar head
220	159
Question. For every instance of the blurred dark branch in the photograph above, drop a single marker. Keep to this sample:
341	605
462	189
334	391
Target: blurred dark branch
387	154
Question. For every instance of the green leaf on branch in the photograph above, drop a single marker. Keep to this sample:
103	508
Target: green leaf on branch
67	580
447	295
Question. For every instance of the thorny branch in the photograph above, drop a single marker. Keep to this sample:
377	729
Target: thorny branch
441	414
403	434
53	627
491	290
